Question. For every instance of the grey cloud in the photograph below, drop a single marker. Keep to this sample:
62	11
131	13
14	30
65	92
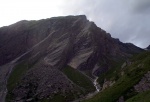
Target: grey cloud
140	6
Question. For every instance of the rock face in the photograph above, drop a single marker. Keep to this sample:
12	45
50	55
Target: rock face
107	84
144	84
59	41
72	39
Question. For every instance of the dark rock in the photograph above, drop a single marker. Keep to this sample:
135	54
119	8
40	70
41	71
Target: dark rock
144	84
148	47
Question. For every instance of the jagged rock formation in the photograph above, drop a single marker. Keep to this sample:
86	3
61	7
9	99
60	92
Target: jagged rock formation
71	39
57	42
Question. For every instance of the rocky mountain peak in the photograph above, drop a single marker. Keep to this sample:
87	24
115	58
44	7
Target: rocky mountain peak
148	47
49	45
73	38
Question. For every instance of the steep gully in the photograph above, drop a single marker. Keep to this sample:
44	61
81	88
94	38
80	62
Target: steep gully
90	95
97	86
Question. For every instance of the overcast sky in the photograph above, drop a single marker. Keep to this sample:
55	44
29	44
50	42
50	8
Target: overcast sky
128	20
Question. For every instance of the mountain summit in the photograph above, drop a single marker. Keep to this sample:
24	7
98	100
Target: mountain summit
148	47
47	48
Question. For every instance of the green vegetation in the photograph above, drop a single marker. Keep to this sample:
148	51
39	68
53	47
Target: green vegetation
79	79
84	83
56	98
16	74
113	93
18	71
142	97
61	98
132	75
112	73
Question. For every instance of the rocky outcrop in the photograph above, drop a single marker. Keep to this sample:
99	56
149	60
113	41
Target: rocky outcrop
107	84
144	84
126	63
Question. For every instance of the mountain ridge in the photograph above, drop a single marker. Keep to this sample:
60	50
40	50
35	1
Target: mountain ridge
52	44
148	47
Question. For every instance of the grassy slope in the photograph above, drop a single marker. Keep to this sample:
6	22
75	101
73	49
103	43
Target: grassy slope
18	71
132	75
79	79
16	75
142	97
56	98
111	74
74	75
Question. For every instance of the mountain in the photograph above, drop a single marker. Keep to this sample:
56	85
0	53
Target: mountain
57	57
148	47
